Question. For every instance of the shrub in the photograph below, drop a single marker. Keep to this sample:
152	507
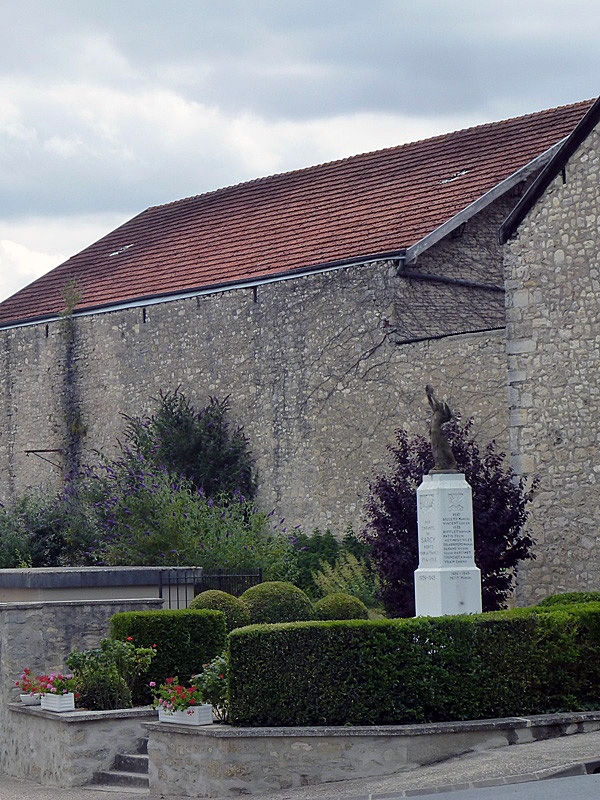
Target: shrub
349	575
212	683
43	529
364	672
14	544
309	553
236	613
202	445
341	606
500	503
150	517
105	676
277	601
184	640
568	598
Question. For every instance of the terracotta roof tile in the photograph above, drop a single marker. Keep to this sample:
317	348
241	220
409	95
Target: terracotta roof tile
373	203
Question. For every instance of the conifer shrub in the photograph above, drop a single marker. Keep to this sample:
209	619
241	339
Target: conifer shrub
425	669
236	613
341	606
310	551
200	445
277	601
313	551
184	640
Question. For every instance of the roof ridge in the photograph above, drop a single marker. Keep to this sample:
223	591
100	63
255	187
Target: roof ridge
347	159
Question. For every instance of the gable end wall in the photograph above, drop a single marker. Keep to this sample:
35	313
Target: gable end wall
553	343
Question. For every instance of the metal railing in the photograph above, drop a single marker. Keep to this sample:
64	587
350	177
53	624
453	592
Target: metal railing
231	582
178	586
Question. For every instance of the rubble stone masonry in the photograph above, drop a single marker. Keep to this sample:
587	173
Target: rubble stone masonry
553	345
320	369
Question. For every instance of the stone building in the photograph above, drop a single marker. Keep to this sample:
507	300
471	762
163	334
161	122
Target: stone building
321	301
552	246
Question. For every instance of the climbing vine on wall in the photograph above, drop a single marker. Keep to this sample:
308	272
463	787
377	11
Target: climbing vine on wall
74	425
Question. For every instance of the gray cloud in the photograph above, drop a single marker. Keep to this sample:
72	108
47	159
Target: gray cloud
108	107
306	58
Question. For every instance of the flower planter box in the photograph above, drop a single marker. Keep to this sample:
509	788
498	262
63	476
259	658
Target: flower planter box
195	715
30	699
58	702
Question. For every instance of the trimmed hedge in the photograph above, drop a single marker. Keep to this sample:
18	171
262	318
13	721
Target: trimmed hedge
236	613
426	669
340	605
568	598
185	640
277	601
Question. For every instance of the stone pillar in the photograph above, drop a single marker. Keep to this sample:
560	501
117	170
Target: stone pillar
447	580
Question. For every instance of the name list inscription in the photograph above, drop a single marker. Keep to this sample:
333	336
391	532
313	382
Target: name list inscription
448	543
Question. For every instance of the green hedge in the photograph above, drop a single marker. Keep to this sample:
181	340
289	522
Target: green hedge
236	613
185	640
340	605
277	601
418	670
568	598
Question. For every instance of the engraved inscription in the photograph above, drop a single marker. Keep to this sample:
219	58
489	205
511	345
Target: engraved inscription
457	542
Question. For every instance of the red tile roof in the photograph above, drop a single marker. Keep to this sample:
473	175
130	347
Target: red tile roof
369	204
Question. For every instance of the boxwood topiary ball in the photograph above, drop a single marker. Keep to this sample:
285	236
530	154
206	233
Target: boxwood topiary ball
277	601
341	606
236	613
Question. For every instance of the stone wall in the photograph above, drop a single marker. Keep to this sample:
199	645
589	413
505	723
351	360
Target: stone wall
40	636
553	332
320	370
67	749
221	761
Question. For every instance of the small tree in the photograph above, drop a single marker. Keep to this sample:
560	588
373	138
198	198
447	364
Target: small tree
202	446
499	514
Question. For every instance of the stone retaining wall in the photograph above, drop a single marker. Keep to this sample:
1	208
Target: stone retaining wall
40	636
222	761
67	749
176	585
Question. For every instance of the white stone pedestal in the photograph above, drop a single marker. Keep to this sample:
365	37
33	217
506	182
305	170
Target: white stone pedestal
447	580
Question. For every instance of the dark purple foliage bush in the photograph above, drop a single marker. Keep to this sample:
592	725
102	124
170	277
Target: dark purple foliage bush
500	502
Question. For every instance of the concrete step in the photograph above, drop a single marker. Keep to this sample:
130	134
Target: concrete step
121	779
131	762
129	773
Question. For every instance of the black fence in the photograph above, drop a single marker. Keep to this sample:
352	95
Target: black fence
232	582
178	586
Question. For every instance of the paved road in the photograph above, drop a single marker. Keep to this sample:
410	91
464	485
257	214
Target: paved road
467	777
580	787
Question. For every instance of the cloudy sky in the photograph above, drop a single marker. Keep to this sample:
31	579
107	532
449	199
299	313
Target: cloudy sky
110	106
